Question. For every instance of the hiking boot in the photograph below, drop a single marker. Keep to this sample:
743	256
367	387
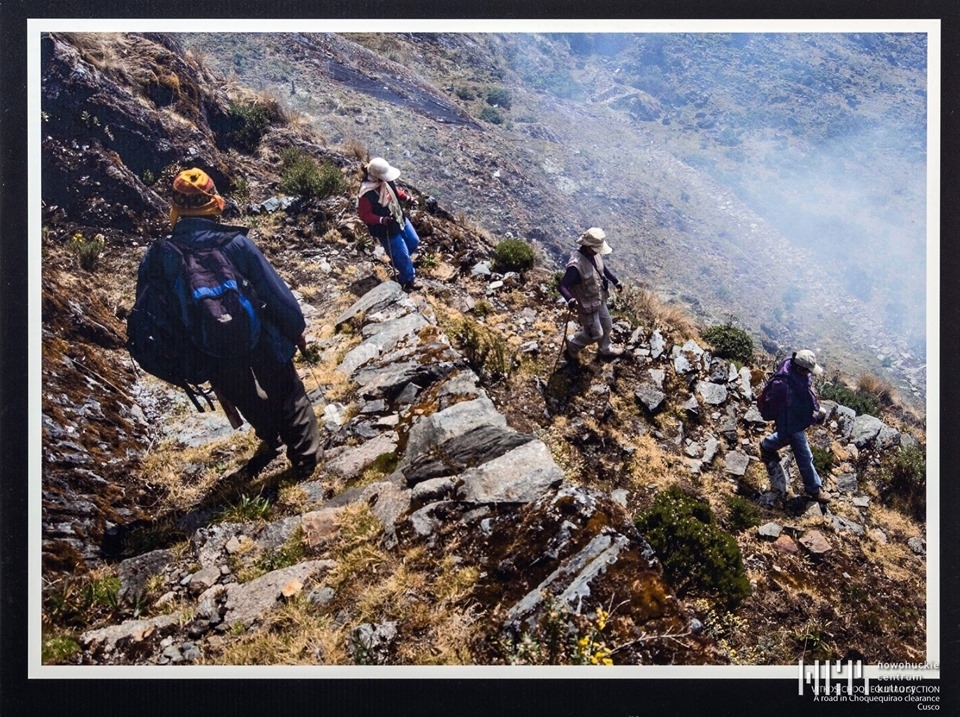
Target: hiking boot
820	496
768	456
409	286
610	354
268	448
304	469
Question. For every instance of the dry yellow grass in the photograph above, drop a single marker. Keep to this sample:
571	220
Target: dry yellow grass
876	387
563	453
651	311
357	149
295	634
651	466
163	466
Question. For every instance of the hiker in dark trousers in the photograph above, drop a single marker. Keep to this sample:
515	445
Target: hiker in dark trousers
264	384
585	288
801	409
378	204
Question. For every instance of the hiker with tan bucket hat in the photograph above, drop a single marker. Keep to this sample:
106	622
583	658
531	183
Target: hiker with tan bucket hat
585	288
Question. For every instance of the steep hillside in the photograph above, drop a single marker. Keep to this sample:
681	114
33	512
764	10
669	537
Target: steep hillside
480	500
775	179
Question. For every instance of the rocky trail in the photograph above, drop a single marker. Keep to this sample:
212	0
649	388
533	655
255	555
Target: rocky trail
480	500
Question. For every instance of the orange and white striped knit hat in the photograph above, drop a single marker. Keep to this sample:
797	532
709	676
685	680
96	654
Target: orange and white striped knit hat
194	195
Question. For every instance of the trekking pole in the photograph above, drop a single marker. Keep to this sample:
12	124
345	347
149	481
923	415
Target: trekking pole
563	341
233	415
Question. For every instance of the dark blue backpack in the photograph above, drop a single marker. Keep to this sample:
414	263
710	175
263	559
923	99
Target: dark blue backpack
221	309
193	310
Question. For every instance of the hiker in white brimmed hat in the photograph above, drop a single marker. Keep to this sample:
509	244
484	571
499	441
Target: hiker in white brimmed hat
585	288
378	204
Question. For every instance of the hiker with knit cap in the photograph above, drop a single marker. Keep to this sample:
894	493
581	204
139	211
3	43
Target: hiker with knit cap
797	408
262	384
378	204
585	288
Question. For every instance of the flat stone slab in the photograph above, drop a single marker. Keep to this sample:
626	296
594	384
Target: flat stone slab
388	335
785	544
736	463
130	630
815	543
378	298
351	462
713	393
248	602
473	448
521	475
436	429
770	530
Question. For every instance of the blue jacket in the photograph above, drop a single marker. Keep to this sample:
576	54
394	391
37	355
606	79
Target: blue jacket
800	402
283	320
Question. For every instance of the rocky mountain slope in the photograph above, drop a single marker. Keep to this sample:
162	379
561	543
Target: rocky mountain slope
479	501
774	179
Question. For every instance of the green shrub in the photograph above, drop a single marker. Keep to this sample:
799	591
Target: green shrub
301	176
500	97
903	481
58	649
465	93
248	124
743	514
730	342
87	251
694	551
822	459
513	255
491	115
834	389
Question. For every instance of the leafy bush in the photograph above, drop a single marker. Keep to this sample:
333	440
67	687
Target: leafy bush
730	342
248	124
513	255
822	459
903	481
303	177
834	389
491	115
743	514
465	93
500	97
59	649
694	551
87	251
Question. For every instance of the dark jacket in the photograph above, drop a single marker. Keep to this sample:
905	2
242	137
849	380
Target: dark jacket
283	320
797	396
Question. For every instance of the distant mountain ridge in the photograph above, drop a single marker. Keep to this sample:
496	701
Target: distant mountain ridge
775	179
